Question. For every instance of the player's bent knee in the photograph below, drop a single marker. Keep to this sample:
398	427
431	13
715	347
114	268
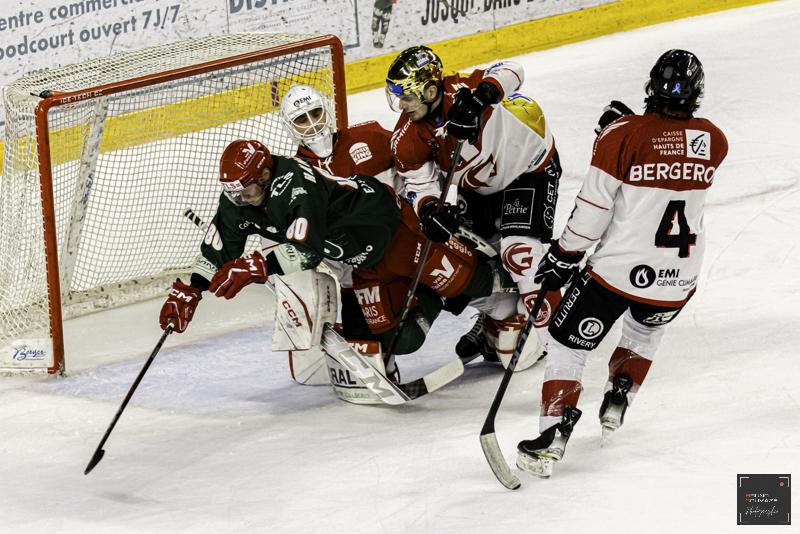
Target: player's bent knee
411	337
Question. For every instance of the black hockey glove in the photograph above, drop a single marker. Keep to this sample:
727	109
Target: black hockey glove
612	112
464	117
557	268
438	222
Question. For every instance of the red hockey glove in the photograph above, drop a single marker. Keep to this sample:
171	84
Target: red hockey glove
238	273
179	306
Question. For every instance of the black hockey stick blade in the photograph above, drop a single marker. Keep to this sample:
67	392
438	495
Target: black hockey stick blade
96	457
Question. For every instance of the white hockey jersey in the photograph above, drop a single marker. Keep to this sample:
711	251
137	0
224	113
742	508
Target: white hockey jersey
642	203
514	139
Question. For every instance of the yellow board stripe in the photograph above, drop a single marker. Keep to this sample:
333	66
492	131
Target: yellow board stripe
544	33
540	34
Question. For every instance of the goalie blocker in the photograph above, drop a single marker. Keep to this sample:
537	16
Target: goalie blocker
304	302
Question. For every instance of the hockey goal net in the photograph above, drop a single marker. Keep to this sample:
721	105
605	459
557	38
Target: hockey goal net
102	159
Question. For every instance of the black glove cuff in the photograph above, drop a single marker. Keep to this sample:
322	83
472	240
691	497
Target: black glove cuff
563	256
488	93
198	282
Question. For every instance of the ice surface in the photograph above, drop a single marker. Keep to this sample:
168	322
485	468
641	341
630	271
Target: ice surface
219	439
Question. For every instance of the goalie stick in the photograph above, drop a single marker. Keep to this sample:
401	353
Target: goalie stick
341	351
386	390
489	444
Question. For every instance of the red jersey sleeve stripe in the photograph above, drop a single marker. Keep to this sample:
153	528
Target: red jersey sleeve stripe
581	235
592	203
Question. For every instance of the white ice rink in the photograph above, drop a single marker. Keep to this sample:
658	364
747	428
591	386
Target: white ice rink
218	438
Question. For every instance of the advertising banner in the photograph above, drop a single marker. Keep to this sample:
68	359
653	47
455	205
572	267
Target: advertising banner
37	34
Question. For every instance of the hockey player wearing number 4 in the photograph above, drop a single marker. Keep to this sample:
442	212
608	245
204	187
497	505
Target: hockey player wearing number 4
642	205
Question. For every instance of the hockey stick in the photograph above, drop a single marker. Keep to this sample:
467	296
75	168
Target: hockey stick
475	241
489	444
99	452
385	389
449	194
394	394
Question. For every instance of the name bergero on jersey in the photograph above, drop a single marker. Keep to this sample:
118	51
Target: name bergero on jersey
649	172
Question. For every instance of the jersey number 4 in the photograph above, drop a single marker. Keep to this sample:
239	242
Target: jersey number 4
684	238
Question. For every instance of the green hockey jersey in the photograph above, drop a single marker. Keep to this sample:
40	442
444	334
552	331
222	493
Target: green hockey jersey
351	220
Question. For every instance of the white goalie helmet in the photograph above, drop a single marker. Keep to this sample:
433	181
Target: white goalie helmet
308	117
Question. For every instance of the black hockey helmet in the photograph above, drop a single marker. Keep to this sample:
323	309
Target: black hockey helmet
676	82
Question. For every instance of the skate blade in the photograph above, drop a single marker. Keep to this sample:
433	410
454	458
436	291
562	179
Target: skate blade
608	430
535	465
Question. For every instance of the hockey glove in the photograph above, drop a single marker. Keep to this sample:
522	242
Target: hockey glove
557	267
238	273
179	306
439	223
464	117
612	112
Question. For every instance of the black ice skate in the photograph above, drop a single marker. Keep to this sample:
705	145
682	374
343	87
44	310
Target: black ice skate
615	404
538	456
474	344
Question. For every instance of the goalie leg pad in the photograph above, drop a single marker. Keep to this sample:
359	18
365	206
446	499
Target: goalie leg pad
308	366
304	302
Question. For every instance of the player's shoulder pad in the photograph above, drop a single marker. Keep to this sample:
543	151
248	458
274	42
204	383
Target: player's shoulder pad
370	127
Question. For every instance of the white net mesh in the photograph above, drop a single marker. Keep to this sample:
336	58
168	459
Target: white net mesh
143	156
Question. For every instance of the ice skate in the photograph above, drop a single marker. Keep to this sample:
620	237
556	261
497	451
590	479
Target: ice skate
615	404
474	343
538	456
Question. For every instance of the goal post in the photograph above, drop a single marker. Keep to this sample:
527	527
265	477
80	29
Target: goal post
101	160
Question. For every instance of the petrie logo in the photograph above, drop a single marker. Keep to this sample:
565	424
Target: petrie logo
516	208
698	144
360	153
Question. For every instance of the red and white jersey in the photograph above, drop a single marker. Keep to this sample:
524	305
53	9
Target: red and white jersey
511	141
642	203
362	148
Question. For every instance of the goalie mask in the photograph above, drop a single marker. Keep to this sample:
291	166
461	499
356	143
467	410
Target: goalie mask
307	115
244	172
413	71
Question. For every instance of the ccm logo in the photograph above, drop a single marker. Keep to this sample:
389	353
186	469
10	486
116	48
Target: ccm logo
291	313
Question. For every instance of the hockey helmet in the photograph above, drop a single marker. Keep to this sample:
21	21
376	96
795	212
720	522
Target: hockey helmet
676	81
413	71
241	169
308	118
